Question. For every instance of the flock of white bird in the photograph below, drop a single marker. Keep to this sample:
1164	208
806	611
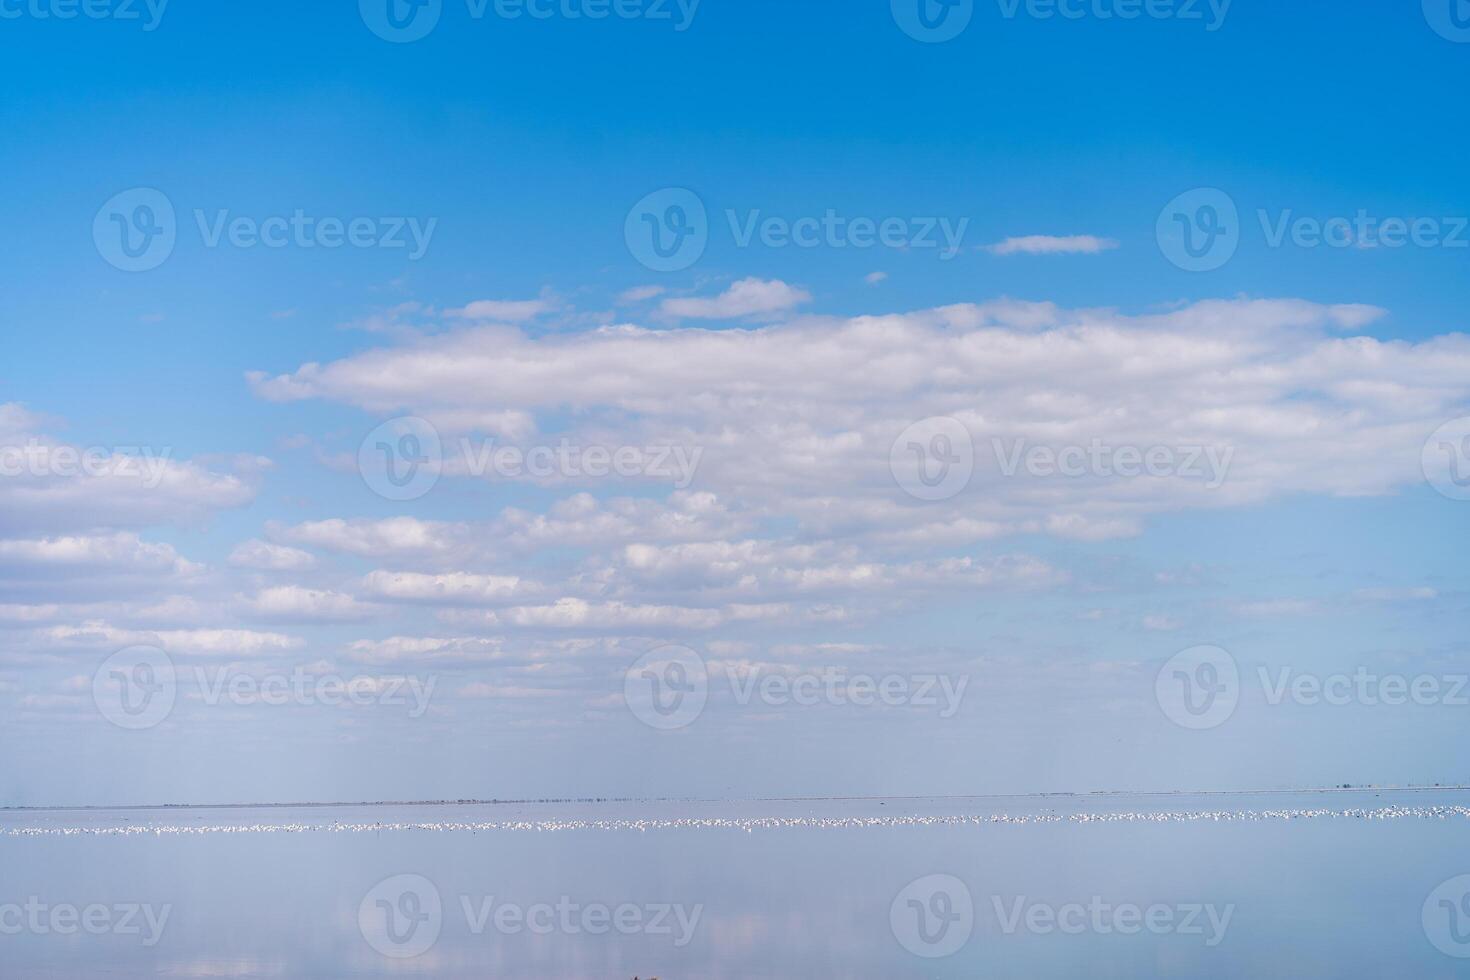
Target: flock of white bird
752	824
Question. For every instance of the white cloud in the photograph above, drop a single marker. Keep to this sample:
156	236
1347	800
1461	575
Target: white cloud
1052	245
787	432
267	557
454	588
204	642
392	537
874	278
48	486
748	297
294	603
640	294
508	311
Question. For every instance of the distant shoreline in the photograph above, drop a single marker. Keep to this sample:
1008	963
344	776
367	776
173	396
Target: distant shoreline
155	807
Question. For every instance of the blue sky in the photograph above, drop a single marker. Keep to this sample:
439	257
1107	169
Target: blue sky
519	147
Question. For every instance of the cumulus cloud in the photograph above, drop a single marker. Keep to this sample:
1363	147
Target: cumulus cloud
1275	385
49	486
1052	245
266	557
748	297
509	311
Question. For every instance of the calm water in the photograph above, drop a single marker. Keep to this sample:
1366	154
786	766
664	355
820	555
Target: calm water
1352	884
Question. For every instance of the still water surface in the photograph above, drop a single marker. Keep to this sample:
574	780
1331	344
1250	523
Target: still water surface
1340	884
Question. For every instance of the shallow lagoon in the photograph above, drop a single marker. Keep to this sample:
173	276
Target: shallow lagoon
1338	884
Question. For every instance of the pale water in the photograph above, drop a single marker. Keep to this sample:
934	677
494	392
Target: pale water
1337	884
